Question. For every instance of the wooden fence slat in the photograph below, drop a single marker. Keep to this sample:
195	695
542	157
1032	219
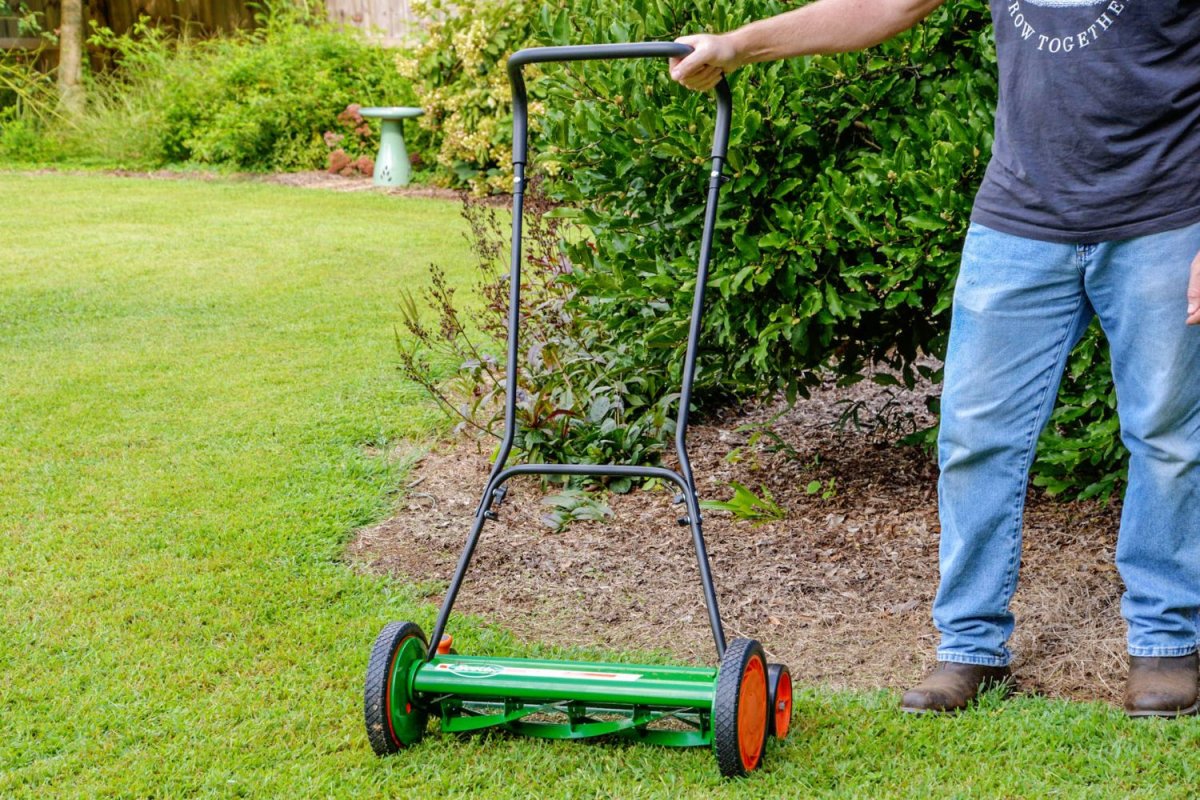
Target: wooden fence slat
24	43
389	22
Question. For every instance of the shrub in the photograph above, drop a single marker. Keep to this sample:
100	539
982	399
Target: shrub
851	182
350	144
577	400
259	100
459	78
1080	454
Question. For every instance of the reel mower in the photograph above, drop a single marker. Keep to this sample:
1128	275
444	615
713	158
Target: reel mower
733	708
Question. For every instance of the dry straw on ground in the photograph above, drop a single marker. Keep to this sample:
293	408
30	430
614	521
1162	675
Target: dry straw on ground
840	590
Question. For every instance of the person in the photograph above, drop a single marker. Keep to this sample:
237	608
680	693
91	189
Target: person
1090	206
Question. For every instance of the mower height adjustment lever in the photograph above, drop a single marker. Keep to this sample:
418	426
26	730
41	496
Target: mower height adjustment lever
498	496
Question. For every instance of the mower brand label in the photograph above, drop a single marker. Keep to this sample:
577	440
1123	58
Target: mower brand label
470	670
491	671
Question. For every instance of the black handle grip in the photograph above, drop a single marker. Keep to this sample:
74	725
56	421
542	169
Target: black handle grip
602	52
597	52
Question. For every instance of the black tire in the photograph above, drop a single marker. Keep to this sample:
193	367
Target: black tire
779	720
376	700
740	708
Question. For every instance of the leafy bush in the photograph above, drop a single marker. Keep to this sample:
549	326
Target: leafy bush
257	100
577	399
459	78
851	179
1080	453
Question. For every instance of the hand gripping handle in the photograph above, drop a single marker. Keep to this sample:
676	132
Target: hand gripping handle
602	52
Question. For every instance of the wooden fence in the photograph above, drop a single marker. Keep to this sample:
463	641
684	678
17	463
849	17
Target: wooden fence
201	17
11	35
389	22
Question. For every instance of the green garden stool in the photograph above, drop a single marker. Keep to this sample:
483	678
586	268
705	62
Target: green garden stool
392	167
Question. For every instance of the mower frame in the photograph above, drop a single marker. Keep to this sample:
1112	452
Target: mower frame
495	490
734	707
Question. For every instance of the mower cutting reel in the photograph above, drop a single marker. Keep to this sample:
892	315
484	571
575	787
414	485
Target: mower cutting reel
733	708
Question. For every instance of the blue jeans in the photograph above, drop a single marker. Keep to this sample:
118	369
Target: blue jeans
1019	307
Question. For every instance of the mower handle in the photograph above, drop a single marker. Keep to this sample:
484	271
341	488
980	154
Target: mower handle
683	478
603	52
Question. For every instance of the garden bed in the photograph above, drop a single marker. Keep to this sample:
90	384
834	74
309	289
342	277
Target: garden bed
840	589
305	179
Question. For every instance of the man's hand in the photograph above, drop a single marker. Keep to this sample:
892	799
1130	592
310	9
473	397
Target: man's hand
1193	294
712	56
821	26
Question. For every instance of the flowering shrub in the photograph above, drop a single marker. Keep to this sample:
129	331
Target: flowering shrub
357	137
460	81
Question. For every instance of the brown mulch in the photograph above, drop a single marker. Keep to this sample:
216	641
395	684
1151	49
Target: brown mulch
840	590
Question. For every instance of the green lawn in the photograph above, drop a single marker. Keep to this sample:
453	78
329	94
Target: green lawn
190	377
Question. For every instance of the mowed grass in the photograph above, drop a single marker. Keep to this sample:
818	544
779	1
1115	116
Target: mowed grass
193	378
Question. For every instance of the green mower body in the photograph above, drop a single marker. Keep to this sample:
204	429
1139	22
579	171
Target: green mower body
734	708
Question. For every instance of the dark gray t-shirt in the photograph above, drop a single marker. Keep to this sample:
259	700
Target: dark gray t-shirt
1098	123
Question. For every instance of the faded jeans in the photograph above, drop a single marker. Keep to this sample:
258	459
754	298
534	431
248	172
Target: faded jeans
1020	305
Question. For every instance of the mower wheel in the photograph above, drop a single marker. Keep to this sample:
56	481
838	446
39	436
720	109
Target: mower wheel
393	718
740	708
779	685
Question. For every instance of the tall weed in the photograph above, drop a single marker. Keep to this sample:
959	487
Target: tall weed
28	107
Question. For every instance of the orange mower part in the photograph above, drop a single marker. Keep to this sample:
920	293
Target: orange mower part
779	685
752	713
741	708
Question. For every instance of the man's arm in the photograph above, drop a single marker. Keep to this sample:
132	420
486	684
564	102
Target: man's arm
825	26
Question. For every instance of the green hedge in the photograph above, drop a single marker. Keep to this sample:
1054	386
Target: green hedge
257	101
851	182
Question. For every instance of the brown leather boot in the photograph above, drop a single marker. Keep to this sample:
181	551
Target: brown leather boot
1161	686
952	687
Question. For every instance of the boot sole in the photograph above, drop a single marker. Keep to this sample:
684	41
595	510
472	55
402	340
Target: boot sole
1183	712
940	711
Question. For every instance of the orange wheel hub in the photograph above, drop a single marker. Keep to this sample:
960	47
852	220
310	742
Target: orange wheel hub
752	713
783	706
